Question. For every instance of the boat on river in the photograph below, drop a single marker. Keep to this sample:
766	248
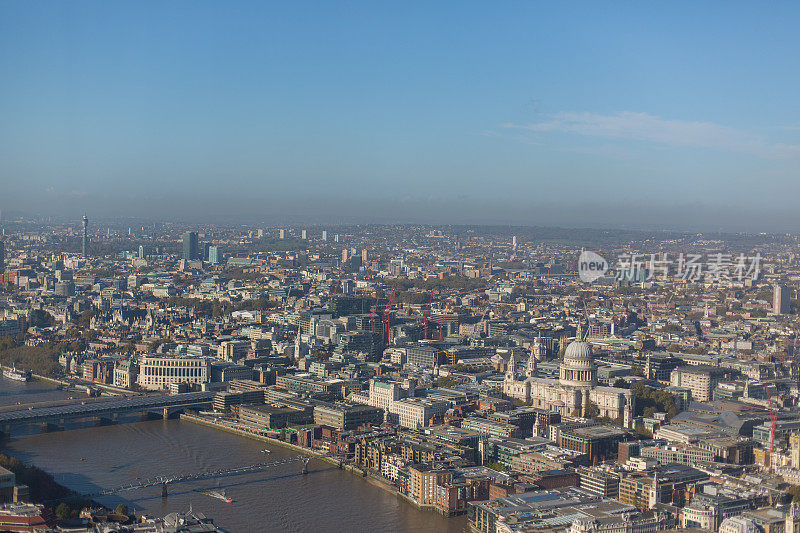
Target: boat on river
16	375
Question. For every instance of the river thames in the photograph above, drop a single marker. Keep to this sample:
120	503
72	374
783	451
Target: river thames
90	459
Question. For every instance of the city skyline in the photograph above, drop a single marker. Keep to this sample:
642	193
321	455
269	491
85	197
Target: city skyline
674	117
417	267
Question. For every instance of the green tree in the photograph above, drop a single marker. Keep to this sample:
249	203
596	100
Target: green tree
447	381
40	359
85	318
497	466
6	343
41	318
592	411
122	509
63	512
621	384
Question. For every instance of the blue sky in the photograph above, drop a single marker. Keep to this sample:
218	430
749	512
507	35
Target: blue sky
466	112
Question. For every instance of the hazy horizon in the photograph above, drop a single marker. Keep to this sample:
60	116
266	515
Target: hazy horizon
643	116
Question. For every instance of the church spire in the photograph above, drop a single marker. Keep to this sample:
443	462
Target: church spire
532	364
511	367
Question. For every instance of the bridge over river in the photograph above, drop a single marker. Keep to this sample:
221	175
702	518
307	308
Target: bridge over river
163	481
165	405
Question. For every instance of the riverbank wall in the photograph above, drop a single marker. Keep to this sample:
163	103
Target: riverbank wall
263	438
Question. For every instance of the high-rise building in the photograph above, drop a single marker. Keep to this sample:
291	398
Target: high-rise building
364	256
260	234
282	234
190	249
303	235
344	255
336	238
85	237
324	235
214	255
780	299
2	257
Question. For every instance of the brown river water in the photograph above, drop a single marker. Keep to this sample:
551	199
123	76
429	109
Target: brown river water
92	458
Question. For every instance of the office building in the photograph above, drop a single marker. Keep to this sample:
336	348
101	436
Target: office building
424	355
666	485
381	394
65	288
324	235
214	255
85	236
683	454
345	416
416	413
190	248
282	234
125	373
272	417
423	481
2	256
700	380
601	482
568	509
304	235
780	300
159	372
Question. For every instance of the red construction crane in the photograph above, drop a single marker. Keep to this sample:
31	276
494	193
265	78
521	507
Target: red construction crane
427	313
774	418
338	282
387	316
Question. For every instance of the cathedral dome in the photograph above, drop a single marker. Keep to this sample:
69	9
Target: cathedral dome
577	368
578	351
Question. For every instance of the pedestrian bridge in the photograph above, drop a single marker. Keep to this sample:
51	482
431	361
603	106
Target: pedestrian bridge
106	409
163	481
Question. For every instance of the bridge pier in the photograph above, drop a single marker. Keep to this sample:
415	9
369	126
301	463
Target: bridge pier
304	465
48	427
164	492
105	421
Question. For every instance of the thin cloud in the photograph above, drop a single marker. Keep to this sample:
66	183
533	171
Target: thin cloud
644	127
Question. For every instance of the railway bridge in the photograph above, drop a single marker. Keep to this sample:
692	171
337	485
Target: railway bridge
164	405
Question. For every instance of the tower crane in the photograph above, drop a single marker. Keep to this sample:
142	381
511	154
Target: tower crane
387	315
427	313
774	419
